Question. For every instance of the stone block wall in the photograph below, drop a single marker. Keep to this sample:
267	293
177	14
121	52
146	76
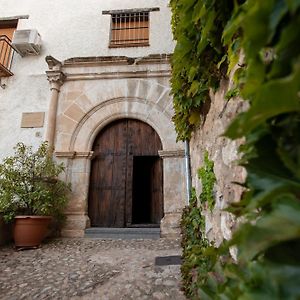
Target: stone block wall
224	153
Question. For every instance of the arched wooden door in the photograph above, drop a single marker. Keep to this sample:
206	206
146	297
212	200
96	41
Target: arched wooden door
126	176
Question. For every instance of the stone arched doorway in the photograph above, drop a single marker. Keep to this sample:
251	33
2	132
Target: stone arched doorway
126	179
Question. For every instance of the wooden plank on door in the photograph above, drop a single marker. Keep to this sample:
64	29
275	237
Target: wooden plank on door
111	180
108	175
157	191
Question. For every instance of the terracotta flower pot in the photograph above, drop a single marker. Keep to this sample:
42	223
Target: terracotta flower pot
29	231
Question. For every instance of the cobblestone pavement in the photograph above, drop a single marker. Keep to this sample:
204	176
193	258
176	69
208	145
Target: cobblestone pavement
90	269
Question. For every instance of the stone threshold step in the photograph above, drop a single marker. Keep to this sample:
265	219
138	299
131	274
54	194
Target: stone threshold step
122	233
122	230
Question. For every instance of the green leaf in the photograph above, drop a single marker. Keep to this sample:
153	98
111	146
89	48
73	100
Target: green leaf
195	118
209	22
281	224
293	5
279	11
192	73
199	11
194	88
273	98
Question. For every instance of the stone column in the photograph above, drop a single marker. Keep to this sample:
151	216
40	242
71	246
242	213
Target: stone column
56	78
174	191
79	164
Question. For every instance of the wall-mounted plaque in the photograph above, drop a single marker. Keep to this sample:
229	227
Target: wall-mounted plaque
32	119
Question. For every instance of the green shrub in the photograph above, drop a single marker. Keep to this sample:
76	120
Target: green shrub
29	184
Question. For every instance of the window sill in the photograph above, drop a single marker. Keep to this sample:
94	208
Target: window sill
128	45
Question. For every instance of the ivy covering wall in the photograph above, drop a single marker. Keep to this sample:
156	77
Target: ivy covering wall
212	36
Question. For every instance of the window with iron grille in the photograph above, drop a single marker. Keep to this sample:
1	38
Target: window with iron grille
129	29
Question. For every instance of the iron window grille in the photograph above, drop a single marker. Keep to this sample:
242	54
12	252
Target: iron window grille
129	29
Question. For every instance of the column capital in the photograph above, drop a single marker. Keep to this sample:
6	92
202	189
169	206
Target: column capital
56	79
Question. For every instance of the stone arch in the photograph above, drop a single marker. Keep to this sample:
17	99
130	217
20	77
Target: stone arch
83	114
80	100
108	111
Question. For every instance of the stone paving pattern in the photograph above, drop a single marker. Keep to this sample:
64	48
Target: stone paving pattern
90	269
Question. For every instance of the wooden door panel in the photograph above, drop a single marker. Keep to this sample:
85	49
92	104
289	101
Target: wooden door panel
128	197
157	191
142	139
106	206
116	210
111	180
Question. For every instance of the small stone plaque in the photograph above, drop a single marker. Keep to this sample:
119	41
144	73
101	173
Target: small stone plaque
32	119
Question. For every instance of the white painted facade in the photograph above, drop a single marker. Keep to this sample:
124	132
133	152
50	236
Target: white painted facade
69	28
92	85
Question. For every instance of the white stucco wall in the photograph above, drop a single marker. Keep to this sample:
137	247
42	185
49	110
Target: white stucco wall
69	28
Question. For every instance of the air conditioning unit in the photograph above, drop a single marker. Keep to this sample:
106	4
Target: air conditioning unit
27	42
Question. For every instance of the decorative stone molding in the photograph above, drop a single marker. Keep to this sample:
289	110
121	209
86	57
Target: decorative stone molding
88	154
74	154
132	71
56	79
55	76
171	153
53	63
115	109
117	60
67	154
118	75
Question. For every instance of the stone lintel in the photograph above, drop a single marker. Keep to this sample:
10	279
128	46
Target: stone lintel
117	60
171	153
118	75
74	154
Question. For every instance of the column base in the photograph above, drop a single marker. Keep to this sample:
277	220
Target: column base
170	225
75	226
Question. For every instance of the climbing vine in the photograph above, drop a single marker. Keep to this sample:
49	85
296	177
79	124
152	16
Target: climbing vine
198	62
197	260
207	176
266	35
194	244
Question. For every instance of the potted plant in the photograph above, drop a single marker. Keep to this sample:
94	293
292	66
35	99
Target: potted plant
31	193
